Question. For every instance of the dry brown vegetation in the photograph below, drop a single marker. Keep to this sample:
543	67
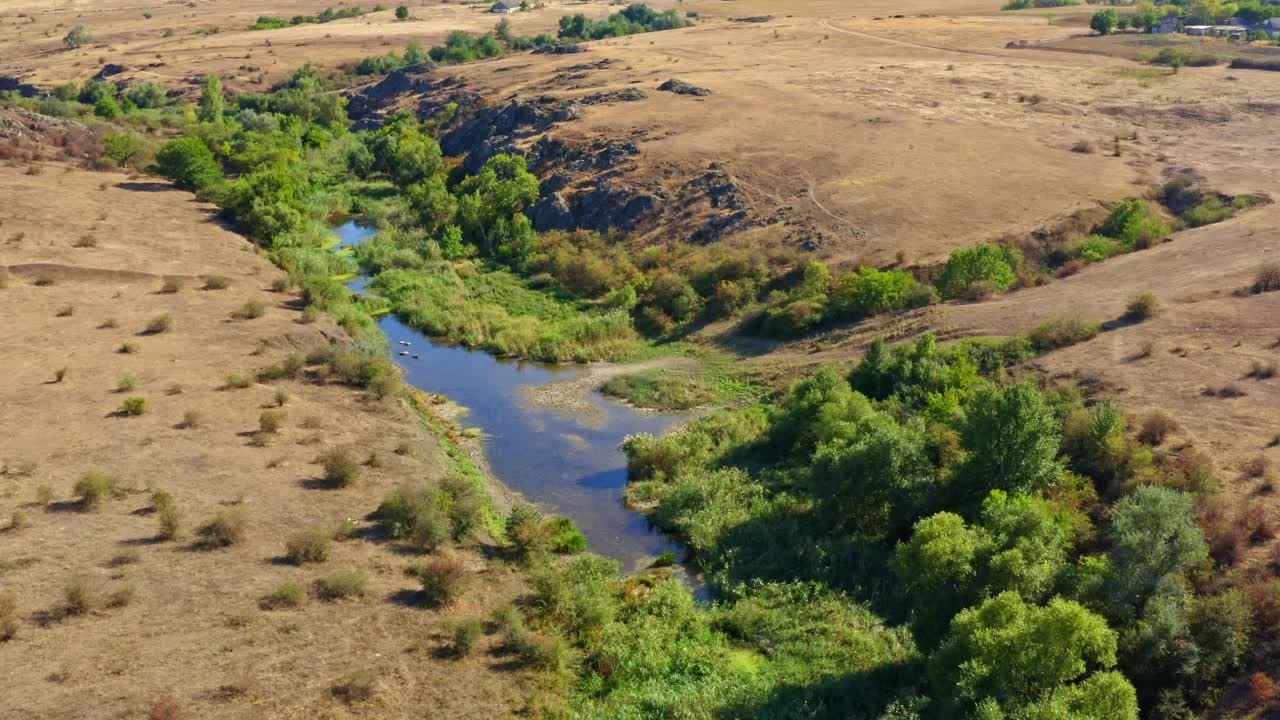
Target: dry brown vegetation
176	626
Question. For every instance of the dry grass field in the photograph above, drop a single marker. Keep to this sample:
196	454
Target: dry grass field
192	627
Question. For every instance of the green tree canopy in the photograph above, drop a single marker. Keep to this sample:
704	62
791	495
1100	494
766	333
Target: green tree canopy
212	101
1006	658
1012	436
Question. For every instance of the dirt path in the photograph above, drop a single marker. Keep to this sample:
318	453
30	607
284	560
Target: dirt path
826	25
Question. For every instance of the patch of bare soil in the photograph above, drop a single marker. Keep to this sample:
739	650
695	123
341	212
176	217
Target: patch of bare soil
573	395
188	621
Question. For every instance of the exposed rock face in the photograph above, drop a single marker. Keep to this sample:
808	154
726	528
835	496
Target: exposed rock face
588	183
681	87
367	106
108	70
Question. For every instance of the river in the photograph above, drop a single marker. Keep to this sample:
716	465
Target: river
565	463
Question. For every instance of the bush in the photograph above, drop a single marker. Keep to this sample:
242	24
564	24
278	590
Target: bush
170	518
217	282
8	616
171	285
238	381
1268	278
128	348
191	419
79	596
94	487
1156	427
341	584
310	545
189	163
466	636
288	594
270	421
527	532
132	407
160	323
127	383
442	580
341	468
249	311
77	36
356	686
227	528
981	264
66	311
1142	306
566	537
1061	332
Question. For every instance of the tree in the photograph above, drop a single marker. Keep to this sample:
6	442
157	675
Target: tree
1007	658
1012	436
502	31
1145	15
489	201
79	35
402	12
870	486
188	163
1021	546
212	102
107	108
983	263
1155	537
1104	21
146	95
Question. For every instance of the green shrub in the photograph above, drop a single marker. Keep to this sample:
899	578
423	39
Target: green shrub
310	545
94	487
189	163
249	311
870	292
160	323
341	584
288	594
128	348
466	636
1096	248
79	596
1135	225
170	518
527	532
1142	306
238	381
341	468
566	537
270	421
127	383
216	282
172	284
985	263
1061	332
132	407
227	528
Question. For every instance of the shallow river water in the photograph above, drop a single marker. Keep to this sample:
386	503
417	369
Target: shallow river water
564	462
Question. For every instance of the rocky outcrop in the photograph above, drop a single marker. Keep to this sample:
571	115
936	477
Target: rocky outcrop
109	70
613	96
368	105
681	87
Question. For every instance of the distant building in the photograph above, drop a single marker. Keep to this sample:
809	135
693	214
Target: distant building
1272	25
506	7
1198	29
1168	25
